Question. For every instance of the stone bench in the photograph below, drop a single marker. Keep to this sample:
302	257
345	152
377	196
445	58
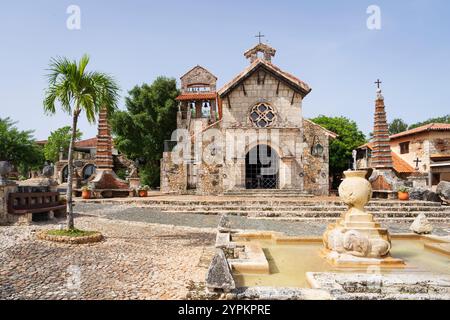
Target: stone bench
29	203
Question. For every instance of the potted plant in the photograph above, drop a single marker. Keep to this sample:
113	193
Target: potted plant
143	191
403	193
86	192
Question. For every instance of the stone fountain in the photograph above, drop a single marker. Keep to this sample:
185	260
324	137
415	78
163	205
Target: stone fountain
356	239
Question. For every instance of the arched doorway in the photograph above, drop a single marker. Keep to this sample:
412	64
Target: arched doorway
261	168
88	171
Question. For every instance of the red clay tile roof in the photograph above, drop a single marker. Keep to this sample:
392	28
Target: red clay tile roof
400	165
424	128
41	142
294	81
88	143
197	96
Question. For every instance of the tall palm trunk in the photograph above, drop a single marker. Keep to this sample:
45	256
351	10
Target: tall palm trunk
70	224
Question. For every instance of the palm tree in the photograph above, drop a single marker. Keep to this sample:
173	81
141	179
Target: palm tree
77	90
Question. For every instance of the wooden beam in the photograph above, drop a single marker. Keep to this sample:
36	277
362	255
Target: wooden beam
243	88
258	81
292	100
264	78
229	103
278	86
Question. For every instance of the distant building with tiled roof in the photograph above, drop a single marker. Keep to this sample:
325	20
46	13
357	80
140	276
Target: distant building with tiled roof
424	150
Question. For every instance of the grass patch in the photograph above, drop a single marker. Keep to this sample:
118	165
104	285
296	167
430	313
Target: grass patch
71	233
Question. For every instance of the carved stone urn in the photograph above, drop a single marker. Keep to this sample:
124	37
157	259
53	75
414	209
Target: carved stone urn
356	234
5	170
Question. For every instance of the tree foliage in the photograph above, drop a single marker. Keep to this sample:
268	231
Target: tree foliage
444	119
19	147
350	137
397	126
59	140
150	119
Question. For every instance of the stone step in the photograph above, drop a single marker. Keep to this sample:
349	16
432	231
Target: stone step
334	214
263	202
294	208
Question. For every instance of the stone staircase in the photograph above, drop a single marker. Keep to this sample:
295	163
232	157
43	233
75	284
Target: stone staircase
269	192
292	209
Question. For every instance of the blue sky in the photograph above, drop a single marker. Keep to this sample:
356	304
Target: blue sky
325	43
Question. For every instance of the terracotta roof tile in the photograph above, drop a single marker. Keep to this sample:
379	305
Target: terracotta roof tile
88	143
424	128
197	96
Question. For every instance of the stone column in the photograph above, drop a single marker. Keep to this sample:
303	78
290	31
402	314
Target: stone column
5	190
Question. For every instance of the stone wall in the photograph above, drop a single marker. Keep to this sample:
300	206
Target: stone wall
236	115
198	75
173	176
316	168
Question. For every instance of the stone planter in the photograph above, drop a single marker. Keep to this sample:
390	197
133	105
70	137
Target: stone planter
96	237
404	196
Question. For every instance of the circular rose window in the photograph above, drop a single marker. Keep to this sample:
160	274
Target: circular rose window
262	115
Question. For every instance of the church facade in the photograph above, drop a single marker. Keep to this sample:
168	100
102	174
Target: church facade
248	135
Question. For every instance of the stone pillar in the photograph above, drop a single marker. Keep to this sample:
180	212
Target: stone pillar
5	190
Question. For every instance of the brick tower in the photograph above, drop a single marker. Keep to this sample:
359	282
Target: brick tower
384	181
103	158
381	152
105	182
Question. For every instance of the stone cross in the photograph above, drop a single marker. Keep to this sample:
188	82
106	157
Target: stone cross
259	35
417	161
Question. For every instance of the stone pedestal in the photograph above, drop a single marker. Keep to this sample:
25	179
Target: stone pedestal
6	188
356	239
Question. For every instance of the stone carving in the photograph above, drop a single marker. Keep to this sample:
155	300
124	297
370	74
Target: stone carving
224	224
48	171
421	225
356	243
219	274
5	170
356	233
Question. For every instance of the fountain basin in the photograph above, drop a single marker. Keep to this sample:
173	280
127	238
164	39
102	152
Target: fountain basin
289	259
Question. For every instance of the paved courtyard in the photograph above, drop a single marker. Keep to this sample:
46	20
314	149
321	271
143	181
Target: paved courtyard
147	254
137	261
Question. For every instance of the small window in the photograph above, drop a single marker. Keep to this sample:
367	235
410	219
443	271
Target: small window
404	147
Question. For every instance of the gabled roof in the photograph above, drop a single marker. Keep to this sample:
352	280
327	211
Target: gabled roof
424	128
198	67
295	83
400	165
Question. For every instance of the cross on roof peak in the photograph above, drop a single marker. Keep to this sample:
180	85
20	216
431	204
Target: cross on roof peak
259	36
378	82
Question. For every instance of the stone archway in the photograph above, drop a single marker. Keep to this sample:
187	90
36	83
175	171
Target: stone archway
261	168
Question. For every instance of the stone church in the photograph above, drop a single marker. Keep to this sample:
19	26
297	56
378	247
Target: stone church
247	137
